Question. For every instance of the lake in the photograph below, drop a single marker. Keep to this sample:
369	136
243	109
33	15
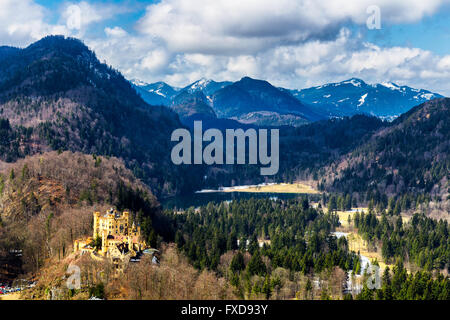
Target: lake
199	199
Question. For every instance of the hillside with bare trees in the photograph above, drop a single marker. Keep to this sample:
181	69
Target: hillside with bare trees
46	202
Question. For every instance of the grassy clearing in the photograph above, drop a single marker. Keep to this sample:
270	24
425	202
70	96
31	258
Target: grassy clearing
343	216
299	187
355	241
358	244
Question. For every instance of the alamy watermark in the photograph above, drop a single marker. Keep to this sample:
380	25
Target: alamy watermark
74	280
374	19
373	281
73	13
213	153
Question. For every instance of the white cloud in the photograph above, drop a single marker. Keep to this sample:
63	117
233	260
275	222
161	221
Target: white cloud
78	16
294	66
291	43
288	42
155	60
243	27
115	32
25	21
22	21
247	65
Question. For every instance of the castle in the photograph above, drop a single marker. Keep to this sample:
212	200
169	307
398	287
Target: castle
121	241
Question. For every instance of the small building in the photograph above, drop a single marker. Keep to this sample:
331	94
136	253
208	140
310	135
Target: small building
83	246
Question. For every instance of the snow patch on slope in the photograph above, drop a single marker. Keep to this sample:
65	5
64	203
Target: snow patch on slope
362	100
391	86
426	96
199	85
158	92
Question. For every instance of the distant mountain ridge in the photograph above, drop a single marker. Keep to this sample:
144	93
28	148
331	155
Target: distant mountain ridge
156	94
386	100
208	87
257	102
249	95
249	101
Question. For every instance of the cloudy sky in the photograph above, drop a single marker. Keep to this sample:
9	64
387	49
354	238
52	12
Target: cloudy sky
291	43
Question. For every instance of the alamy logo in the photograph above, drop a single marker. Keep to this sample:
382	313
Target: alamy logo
213	153
373	281
74	280
374	20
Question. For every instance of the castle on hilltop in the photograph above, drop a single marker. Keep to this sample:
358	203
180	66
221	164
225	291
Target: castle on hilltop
120	239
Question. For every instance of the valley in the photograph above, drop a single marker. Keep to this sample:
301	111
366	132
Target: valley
76	138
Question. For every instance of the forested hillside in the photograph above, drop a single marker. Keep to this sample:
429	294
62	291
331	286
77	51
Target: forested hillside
304	151
56	95
423	242
410	156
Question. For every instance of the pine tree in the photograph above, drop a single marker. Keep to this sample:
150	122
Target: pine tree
267	290
237	263
256	265
332	205
308	287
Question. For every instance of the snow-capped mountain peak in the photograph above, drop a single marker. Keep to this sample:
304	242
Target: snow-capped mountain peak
386	99
198	85
355	82
139	83
207	86
158	93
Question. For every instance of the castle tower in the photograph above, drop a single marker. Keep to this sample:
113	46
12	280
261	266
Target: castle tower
96	224
126	215
130	243
131	233
104	244
127	219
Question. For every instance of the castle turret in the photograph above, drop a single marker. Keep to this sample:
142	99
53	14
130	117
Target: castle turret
132	229
130	243
104	243
126	215
96	224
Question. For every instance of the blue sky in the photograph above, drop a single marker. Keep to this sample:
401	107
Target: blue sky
291	43
430	33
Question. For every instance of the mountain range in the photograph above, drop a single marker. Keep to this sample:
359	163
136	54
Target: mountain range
386	100
257	102
56	95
